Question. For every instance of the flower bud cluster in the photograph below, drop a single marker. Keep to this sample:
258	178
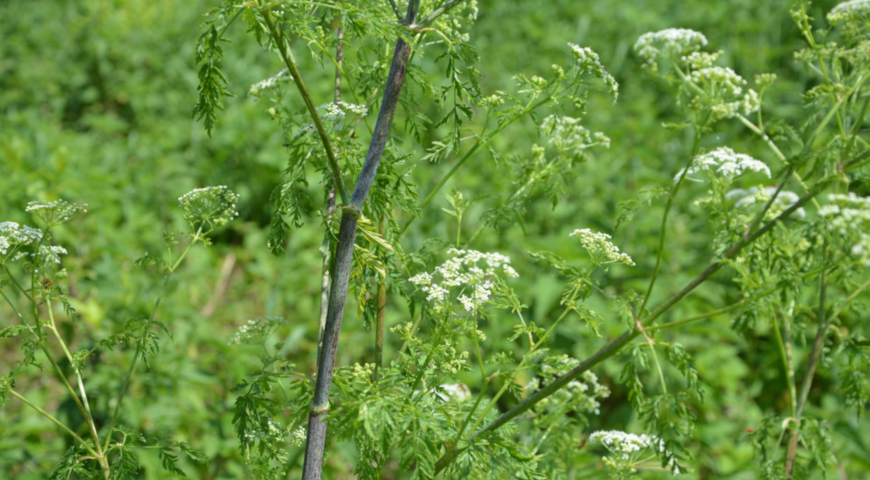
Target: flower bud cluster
587	60
600	248
256	331
726	163
453	22
568	136
725	95
212	205
333	115
271	82
271	433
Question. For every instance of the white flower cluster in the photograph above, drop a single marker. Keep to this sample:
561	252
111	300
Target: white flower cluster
849	216
582	395
725	162
297	439
53	213
271	433
599	247
725	92
47	254
761	195
453	391
461	271
13	235
256	331
673	42
271	82
213	205
849	10
588	61
568	136
451	24
332	114
627	443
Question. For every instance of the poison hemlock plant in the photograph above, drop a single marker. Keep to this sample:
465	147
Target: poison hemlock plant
794	259
33	286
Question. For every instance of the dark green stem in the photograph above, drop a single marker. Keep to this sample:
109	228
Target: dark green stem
316	438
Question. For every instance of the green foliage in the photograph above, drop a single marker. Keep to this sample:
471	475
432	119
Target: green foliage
96	104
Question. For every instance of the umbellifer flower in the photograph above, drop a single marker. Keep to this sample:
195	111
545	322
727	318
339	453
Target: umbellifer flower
210	205
600	248
462	271
673	42
725	162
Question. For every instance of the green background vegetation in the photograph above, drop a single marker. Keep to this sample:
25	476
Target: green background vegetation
95	107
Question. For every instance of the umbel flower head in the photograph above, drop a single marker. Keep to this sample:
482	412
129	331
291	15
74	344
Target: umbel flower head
673	43
271	82
851	10
627	446
13	235
333	115
761	195
213	206
54	213
462	271
725	92
587	60
724	162
600	249
848	215
569	137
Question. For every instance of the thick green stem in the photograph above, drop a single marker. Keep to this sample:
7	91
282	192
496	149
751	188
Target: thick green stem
89	416
316	437
379	323
56	422
283	49
696	318
807	383
786	360
664	227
